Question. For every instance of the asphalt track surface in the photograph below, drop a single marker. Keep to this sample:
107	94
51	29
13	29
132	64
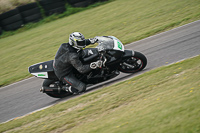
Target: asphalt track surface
23	97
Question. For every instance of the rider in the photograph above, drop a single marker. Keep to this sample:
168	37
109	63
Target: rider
67	58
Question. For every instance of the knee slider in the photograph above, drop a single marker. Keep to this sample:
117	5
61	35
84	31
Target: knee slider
82	87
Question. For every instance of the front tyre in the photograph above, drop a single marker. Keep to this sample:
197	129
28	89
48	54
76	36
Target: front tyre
134	63
53	84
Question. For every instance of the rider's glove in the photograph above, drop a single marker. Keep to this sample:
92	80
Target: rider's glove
97	64
93	40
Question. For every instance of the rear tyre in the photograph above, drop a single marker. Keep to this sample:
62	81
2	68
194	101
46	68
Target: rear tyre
53	83
134	63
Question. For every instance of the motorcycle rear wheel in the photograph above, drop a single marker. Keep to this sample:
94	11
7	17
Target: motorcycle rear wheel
134	63
52	83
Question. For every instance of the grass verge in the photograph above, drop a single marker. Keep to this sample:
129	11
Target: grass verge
162	100
129	20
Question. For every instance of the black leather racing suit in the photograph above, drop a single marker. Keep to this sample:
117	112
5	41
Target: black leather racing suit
66	59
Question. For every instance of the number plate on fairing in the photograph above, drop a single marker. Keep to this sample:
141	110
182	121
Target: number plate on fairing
41	74
117	44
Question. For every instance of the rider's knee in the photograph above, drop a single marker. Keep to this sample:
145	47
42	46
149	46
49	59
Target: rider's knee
82	87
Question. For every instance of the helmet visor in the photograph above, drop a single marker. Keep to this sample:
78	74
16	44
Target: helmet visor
81	43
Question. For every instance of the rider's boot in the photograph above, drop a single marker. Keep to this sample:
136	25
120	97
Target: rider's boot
70	89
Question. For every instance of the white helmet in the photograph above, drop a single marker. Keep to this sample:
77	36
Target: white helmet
77	40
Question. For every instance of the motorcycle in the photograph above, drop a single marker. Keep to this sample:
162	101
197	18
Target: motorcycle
110	51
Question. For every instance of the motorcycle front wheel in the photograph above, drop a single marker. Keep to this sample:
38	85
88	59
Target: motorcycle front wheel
53	83
134	63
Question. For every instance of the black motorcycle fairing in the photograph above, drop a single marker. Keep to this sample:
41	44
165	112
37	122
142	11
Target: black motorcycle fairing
113	57
128	53
44	67
41	67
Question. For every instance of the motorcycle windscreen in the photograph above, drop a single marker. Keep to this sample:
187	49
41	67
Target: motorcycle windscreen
105	43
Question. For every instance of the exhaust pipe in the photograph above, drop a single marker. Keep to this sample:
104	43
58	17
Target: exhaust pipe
50	89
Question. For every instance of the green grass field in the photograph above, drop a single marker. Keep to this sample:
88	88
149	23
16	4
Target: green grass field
129	20
164	100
